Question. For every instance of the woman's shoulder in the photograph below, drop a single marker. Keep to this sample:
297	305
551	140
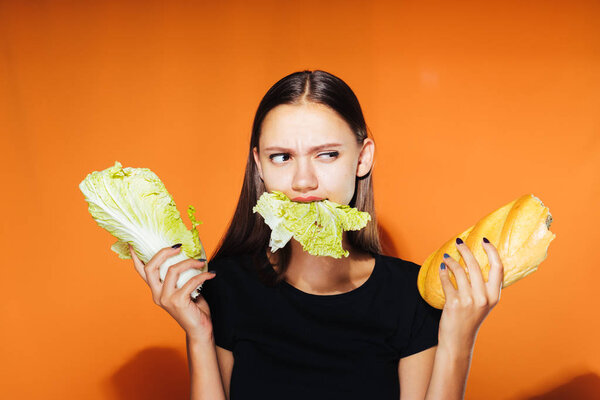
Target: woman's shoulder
229	263
399	273
231	271
397	265
402	277
235	267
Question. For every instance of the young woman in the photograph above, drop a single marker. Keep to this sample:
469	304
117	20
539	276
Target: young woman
290	325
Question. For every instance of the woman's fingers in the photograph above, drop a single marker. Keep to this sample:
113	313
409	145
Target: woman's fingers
475	276
186	290
496	274
172	276
152	270
449	291
137	263
459	273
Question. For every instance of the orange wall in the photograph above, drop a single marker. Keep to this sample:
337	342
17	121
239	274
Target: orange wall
471	105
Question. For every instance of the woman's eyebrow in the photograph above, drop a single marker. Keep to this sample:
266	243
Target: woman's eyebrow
312	149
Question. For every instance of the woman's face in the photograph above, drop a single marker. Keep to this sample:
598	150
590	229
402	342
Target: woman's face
309	152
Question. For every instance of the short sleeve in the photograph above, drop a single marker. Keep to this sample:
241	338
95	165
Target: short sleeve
424	328
217	295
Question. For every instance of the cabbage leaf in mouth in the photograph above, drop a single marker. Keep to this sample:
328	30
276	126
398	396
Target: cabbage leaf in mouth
317	225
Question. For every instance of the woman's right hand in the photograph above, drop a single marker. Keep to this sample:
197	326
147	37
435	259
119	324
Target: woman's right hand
193	317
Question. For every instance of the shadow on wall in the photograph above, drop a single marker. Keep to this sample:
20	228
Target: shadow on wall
387	243
154	373
581	387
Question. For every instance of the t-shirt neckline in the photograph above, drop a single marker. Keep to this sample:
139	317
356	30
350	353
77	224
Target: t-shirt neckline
338	296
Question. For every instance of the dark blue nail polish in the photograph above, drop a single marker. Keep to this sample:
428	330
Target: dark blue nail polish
212	271
202	259
459	241
485	240
446	255
442	266
176	246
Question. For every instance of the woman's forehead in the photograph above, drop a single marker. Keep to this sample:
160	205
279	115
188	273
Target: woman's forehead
304	125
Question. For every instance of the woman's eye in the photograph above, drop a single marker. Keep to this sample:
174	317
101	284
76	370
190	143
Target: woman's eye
279	158
330	154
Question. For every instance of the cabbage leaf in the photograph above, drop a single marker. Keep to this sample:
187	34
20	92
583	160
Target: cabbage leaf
317	225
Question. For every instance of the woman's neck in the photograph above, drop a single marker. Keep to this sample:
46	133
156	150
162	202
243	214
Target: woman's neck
328	275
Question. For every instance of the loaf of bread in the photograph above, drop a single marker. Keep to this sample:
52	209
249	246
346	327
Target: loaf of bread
518	230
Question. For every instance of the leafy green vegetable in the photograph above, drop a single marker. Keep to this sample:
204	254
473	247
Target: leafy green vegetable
317	225
134	206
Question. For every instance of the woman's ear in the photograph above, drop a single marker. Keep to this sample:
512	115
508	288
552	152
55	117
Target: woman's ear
365	158
257	161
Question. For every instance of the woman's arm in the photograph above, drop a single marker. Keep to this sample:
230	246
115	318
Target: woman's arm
225	358
193	317
464	310
450	373
414	374
206	383
433	374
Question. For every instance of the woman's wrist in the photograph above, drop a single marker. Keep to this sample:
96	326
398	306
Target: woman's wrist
456	351
200	340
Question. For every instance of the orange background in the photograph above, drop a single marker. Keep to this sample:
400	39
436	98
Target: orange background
471	104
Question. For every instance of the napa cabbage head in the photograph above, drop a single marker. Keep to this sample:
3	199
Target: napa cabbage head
136	208
317	225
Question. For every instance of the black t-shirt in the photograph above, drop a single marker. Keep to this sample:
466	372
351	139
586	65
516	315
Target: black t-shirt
289	344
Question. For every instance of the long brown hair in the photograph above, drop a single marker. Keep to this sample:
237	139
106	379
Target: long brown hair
247	232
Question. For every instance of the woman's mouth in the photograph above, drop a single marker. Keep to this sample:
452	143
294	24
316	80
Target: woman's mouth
307	199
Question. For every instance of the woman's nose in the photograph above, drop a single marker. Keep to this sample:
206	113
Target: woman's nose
305	178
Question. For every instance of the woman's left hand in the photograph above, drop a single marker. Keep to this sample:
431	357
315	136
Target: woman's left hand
467	306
